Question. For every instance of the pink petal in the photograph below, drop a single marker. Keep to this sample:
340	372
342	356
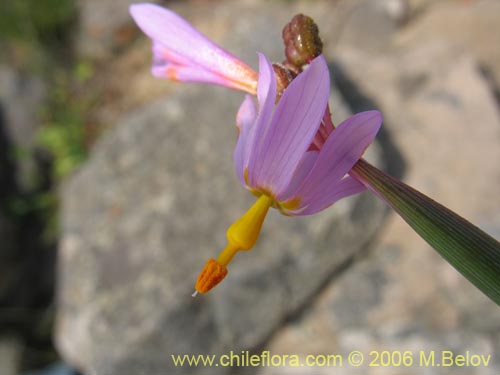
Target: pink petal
344	188
301	172
184	44
266	95
266	89
341	151
190	74
296	120
244	121
163	56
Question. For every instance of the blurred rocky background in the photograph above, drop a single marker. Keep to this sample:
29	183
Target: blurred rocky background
126	181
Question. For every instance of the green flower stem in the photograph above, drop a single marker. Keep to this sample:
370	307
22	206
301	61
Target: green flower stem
475	254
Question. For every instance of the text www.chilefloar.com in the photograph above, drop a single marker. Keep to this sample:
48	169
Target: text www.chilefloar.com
265	359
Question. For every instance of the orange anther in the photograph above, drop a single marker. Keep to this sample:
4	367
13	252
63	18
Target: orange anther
210	276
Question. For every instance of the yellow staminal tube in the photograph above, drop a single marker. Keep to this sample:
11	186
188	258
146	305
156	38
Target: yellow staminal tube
241	235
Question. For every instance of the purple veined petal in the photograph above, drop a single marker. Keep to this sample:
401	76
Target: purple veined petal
344	188
267	82
246	115
341	151
175	34
244	121
301	172
295	122
266	95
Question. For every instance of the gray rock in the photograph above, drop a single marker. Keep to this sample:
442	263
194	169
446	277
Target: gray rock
143	215
369	25
55	369
21	97
104	26
11	350
470	25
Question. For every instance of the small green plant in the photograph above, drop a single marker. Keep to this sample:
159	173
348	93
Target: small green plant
65	134
40	21
63	131
36	35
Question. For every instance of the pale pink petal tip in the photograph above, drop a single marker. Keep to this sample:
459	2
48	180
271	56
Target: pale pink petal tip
183	53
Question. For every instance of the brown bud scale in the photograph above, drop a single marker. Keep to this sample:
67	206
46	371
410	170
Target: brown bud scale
283	78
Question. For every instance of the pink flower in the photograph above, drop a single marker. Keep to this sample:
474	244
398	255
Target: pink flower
274	159
285	155
182	53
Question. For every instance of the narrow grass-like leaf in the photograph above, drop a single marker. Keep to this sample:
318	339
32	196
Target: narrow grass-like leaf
474	253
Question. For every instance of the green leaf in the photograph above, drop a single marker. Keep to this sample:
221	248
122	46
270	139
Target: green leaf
474	253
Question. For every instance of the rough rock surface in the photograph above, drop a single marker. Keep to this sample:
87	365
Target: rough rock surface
21	96
10	354
104	27
470	26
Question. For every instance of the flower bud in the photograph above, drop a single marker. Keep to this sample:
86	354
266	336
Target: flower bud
302	41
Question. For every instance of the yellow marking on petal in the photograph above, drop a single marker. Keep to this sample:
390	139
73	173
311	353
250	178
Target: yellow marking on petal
240	77
241	235
249	86
245	176
290	205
